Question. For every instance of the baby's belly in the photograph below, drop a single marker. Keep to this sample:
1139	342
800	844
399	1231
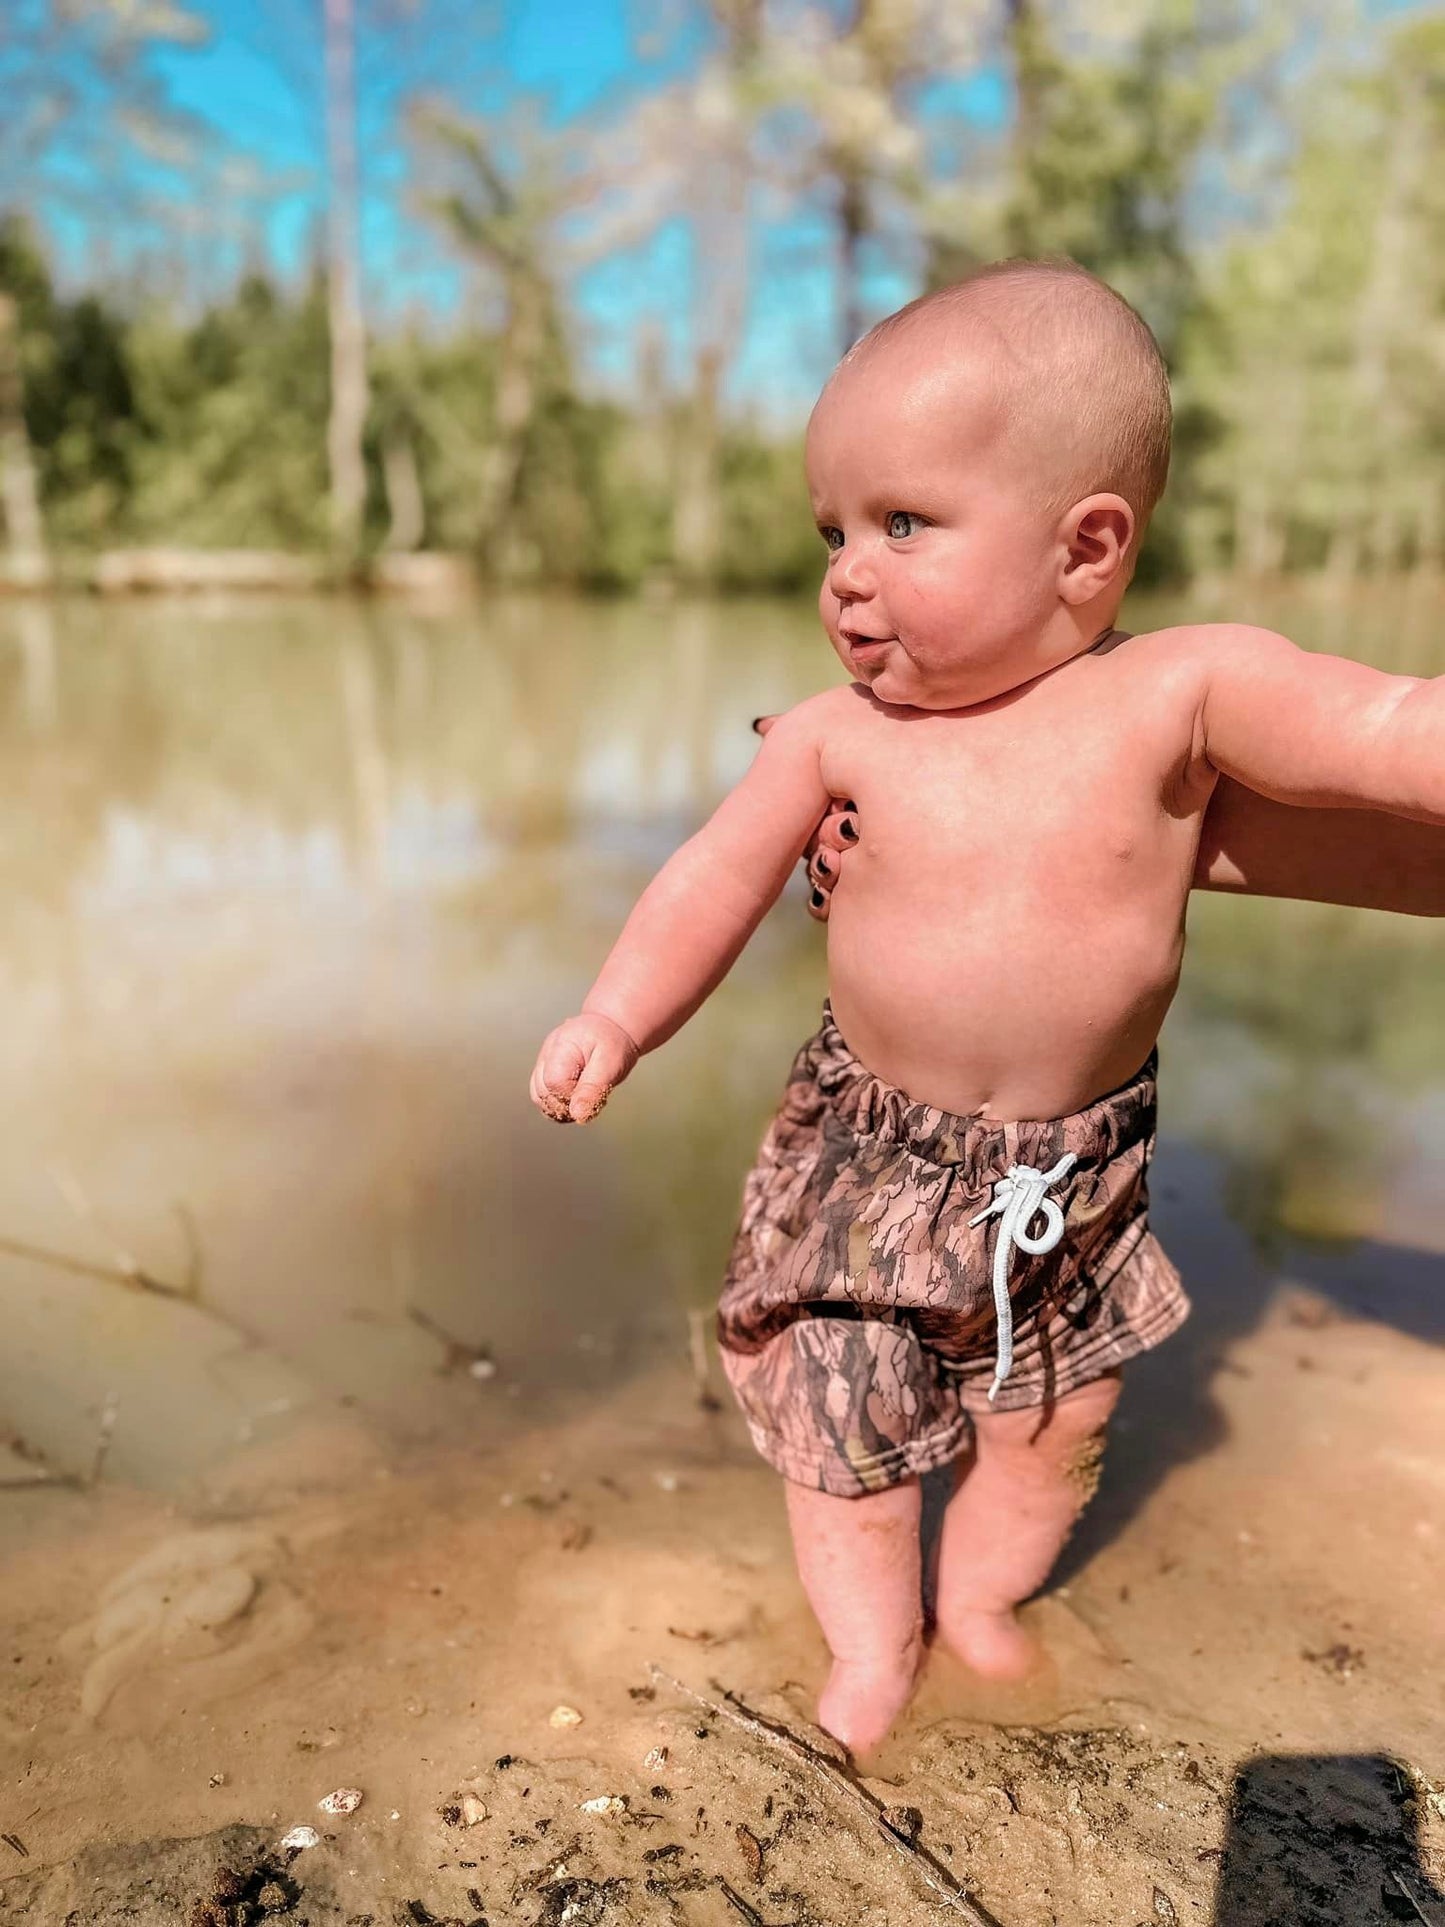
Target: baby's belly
1011	1013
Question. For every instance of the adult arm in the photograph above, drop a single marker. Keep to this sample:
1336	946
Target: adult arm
1253	846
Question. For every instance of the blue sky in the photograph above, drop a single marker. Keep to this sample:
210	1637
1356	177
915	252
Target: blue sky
257	81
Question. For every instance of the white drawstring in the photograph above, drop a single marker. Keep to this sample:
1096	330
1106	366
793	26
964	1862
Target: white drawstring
1018	1195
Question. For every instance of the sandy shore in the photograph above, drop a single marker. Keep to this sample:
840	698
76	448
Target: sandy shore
1240	1722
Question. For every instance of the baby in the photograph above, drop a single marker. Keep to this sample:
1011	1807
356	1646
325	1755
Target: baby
944	1252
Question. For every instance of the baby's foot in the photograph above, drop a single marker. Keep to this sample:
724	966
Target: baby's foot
992	1643
860	1703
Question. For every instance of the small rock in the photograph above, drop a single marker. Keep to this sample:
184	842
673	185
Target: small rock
1164	1906
482	1368
346	1799
666	1481
750	1847
217	1779
273	1898
656	1758
613	1804
299	1838
474	1810
906	1822
564	1716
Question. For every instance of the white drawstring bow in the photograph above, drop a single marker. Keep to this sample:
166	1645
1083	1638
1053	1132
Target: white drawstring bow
1018	1196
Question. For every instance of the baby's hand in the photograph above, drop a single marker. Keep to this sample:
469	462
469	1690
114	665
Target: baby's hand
578	1065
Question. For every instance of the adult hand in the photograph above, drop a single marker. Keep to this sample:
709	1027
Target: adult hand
831	842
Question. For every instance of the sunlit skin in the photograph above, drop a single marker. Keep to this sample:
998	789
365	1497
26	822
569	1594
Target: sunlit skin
1009	936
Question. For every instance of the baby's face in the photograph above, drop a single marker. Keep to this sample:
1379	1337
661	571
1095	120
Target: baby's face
943	559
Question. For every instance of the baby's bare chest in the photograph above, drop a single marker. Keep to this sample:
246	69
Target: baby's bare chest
1047	797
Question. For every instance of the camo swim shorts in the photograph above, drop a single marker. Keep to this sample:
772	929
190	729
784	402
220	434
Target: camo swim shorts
860	1318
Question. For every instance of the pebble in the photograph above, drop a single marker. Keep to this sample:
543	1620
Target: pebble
482	1368
346	1799
474	1810
564	1716
656	1758
667	1481
611	1803
300	1837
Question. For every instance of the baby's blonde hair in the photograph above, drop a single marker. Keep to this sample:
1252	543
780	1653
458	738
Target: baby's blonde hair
1078	365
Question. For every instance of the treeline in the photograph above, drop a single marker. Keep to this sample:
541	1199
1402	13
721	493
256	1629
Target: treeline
145	430
1285	238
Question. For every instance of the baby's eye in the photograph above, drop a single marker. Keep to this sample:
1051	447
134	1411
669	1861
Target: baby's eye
833	537
902	524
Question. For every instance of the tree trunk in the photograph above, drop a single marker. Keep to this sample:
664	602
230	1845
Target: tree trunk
852	227
524	337
349	393
404	500
29	566
697	510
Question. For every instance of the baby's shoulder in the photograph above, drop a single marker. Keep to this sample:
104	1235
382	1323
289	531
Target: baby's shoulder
1195	649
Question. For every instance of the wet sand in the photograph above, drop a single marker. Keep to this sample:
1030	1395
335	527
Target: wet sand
1241	1702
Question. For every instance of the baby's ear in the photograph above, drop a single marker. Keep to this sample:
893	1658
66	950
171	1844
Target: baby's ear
1100	536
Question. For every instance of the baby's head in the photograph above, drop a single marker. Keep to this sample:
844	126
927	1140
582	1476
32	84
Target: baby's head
982	466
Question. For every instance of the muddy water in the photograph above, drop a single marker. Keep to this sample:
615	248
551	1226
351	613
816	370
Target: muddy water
288	893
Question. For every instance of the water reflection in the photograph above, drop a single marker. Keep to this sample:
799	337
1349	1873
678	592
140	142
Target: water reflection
288	893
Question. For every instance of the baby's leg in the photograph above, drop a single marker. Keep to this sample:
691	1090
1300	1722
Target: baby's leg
1007	1522
859	1562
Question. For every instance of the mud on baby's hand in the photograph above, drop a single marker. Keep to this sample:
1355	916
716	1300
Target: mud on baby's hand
580	1063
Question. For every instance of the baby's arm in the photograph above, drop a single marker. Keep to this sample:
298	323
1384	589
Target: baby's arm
1318	730
690	924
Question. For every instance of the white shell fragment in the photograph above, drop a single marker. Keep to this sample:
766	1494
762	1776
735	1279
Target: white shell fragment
564	1716
610	1803
346	1799
656	1758
300	1837
482	1368
474	1810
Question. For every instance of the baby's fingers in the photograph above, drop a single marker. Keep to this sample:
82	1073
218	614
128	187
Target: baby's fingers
553	1081
606	1066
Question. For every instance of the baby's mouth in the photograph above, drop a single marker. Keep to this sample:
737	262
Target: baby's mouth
865	646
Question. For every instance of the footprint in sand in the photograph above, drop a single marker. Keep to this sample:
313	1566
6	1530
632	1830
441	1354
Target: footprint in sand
207	1606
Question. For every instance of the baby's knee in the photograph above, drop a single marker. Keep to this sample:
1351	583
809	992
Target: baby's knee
1062	1443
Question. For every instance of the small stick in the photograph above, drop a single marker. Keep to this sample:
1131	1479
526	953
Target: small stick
195	1256
697	1349
1426	1904
70	1188
84	1268
108	1414
779	1738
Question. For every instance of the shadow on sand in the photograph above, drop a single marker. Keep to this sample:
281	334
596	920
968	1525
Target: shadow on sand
1169	1414
1317	1839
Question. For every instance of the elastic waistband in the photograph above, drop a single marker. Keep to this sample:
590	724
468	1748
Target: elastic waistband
871	1107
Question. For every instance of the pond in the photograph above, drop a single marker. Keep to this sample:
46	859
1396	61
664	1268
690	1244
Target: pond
291	890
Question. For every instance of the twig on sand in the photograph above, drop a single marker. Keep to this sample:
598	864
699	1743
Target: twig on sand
1426	1902
707	1398
85	1268
457	1355
109	1412
195	1255
730	1708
